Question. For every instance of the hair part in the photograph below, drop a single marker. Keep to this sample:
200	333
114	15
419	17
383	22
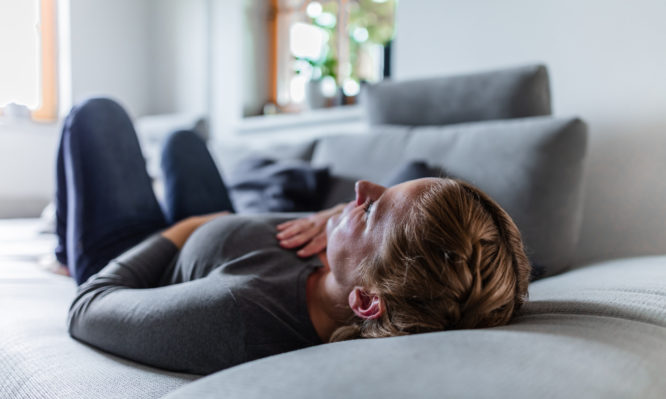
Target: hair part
456	262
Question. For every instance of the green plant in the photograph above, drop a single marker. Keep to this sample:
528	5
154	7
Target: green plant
373	19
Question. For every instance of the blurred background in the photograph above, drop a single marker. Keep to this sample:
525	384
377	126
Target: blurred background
259	70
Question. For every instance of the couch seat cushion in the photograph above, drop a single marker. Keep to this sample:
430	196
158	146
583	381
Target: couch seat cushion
38	359
597	332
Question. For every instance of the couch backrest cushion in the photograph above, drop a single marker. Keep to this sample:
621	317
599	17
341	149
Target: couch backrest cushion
532	167
501	94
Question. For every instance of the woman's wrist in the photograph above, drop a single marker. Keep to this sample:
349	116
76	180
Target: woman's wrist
181	231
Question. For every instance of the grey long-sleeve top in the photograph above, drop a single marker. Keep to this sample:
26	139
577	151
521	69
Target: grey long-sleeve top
229	296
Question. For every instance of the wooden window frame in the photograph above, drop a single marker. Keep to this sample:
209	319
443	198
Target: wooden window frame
47	111
277	44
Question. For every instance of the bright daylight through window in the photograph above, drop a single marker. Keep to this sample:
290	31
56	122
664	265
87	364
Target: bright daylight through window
27	70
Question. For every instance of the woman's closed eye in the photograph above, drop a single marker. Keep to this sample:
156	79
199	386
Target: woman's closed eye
368	206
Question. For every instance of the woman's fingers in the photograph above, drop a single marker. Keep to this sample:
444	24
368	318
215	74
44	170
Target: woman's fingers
286	224
290	223
309	231
300	238
315	246
289	231
297	227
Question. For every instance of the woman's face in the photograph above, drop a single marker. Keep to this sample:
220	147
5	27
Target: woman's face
359	230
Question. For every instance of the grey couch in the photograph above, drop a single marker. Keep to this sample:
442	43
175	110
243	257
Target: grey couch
588	330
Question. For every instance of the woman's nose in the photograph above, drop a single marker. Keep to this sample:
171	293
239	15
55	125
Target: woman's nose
367	190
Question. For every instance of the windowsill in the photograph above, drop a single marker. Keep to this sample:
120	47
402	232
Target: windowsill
27	126
333	115
27	123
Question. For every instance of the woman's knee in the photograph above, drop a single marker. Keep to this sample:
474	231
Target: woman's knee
98	107
183	138
98	104
183	142
99	117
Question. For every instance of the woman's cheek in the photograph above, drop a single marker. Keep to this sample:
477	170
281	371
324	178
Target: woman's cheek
331	224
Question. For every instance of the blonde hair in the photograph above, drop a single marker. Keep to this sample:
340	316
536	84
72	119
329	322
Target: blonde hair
457	261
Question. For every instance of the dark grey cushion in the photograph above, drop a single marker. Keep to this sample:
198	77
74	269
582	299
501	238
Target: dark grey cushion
261	185
501	94
228	153
532	167
412	170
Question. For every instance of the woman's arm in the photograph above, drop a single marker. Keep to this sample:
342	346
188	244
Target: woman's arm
143	265
181	231
308	231
179	327
191	327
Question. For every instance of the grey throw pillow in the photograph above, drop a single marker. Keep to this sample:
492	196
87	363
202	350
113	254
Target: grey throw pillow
532	167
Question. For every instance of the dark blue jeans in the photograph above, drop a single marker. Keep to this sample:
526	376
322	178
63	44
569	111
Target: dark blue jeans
105	202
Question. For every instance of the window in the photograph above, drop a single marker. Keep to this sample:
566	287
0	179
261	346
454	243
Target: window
323	51
28	69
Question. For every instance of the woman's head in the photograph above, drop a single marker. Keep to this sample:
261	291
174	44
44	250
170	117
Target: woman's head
364	223
426	255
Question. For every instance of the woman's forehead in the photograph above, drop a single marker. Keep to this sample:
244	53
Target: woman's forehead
412	188
398	199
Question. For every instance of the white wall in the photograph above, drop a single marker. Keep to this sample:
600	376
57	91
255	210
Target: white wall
151	55
177	50
256	68
27	157
227	74
109	51
607	64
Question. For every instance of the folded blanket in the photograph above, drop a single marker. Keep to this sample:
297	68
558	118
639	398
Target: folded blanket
260	185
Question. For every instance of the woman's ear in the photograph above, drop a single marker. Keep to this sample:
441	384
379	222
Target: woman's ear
366	305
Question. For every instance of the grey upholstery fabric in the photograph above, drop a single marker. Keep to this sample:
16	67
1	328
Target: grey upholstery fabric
501	94
597	332
532	166
38	359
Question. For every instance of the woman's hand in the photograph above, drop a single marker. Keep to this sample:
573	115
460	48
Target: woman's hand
181	231
309	231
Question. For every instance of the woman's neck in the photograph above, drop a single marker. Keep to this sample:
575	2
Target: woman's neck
327	301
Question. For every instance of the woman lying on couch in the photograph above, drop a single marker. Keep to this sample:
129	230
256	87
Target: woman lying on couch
201	289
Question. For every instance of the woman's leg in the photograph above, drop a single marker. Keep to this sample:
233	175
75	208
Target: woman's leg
110	203
192	182
61	198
